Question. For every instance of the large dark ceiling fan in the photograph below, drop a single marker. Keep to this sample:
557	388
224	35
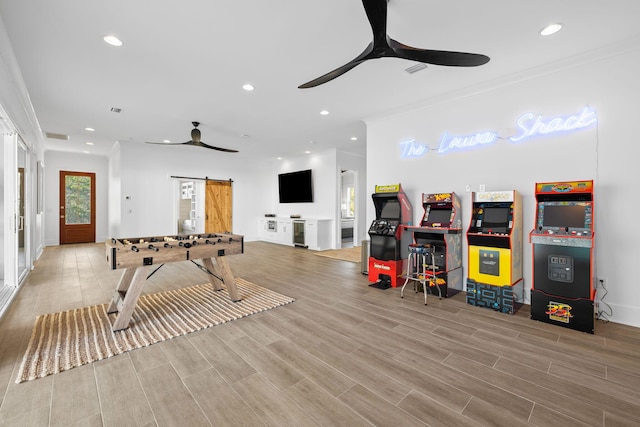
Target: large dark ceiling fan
195	140
384	46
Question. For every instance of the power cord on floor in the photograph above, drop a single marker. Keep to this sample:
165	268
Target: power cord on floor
603	310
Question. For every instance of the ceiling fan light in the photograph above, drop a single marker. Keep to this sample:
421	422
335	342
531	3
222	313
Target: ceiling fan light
551	29
248	87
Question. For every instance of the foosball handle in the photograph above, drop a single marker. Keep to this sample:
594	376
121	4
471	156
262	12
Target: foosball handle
135	249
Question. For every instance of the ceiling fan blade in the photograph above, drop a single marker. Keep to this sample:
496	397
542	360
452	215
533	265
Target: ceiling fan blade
438	57
340	70
377	14
203	145
165	143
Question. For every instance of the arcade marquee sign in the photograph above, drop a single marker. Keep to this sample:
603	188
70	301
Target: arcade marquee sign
528	125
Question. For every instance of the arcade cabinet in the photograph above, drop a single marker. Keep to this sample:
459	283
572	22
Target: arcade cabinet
494	241
439	237
563	289
393	212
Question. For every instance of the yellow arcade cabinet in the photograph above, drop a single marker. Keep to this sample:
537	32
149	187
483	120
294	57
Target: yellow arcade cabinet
494	241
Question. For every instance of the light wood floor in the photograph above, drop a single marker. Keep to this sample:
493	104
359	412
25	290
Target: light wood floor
342	354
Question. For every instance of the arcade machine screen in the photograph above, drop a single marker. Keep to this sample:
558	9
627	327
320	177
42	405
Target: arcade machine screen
563	216
495	219
439	216
390	210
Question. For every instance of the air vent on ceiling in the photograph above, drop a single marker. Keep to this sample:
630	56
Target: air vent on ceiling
56	136
415	68
116	110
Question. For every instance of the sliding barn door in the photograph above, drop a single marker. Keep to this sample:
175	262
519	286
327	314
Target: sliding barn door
218	207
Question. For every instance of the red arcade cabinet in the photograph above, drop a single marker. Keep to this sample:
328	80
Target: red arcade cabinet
563	243
393	213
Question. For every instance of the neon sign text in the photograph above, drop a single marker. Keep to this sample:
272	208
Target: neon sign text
531	125
412	149
458	142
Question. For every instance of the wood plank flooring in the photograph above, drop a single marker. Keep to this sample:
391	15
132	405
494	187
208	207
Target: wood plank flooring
342	354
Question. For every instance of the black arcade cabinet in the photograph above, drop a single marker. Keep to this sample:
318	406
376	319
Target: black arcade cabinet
440	233
563	289
393	213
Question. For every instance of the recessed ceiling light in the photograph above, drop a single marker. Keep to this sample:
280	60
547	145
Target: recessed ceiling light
89	143
354	138
166	140
279	158
248	87
551	29
324	112
90	129
87	152
307	152
113	40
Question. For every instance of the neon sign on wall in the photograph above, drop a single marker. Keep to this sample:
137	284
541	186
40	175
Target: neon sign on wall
529	125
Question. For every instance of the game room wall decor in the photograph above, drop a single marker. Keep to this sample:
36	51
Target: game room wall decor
529	125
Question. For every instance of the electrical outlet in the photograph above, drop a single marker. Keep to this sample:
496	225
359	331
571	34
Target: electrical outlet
602	283
481	187
467	188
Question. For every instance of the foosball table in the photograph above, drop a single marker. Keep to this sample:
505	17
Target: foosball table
139	255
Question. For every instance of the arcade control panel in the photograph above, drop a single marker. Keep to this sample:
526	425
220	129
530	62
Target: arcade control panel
384	227
141	251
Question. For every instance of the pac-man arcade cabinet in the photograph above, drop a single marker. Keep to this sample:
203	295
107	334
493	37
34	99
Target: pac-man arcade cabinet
393	213
494	242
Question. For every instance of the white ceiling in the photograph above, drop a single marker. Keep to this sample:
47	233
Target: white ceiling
185	61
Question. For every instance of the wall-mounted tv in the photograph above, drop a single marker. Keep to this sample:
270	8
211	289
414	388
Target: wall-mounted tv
295	187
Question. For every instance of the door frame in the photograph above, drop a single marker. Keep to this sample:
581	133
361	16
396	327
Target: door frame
62	213
12	274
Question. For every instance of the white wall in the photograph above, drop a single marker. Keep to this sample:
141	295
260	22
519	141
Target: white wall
607	154
326	181
115	203
55	161
151	208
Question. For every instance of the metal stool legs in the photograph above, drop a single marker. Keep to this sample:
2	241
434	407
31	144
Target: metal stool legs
417	269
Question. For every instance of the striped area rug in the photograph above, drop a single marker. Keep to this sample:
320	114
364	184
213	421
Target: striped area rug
61	341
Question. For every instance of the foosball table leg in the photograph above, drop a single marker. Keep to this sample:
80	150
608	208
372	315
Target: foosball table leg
227	276
215	279
126	296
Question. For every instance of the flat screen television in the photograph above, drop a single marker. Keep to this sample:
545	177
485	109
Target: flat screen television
295	187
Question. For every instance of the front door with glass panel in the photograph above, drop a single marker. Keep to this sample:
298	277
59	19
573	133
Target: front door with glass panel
77	207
